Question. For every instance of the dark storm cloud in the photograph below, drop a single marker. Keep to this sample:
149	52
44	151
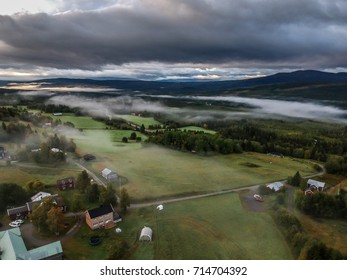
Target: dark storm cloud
264	33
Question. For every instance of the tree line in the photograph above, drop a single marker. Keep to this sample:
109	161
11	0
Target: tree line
322	204
299	145
195	141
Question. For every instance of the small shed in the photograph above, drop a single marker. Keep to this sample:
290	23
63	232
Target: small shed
146	234
109	175
276	186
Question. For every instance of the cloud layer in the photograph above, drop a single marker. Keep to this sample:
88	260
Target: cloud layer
238	33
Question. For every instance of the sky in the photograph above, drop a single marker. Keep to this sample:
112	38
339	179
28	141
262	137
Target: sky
170	39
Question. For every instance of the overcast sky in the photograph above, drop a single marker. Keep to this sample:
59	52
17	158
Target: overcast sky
155	39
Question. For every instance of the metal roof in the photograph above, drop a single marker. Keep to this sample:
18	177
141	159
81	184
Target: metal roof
276	186
316	183
13	247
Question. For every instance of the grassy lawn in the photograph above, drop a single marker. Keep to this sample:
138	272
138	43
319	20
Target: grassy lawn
154	171
197	128
210	228
83	122
140	120
78	248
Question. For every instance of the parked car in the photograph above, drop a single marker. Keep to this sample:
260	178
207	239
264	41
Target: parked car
15	224
257	197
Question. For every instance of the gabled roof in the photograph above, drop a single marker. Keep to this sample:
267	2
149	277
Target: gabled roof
43	252
107	171
12	244
28	206
316	183
102	210
16	210
39	196
13	247
276	186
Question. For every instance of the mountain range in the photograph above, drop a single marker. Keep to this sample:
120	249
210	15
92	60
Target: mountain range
303	77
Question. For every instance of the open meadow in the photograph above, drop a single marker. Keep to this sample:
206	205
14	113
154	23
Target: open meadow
153	171
138	120
210	228
81	122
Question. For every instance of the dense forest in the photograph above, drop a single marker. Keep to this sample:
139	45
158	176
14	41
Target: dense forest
241	136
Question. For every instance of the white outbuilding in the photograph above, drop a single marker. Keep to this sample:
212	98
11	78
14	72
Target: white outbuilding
109	175
146	234
276	186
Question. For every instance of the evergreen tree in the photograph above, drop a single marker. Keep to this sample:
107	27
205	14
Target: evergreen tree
124	200
93	193
83	181
296	180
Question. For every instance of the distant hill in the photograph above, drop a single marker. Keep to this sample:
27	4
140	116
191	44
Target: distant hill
302	77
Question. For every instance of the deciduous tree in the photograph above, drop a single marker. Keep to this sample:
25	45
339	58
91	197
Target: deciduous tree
55	219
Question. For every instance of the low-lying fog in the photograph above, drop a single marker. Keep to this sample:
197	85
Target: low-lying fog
255	107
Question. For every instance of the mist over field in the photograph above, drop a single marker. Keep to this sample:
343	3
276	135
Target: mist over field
253	107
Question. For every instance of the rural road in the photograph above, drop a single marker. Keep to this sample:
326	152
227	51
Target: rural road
91	173
146	204
157	202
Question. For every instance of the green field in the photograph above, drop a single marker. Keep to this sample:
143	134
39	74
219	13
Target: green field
210	228
154	171
82	122
106	142
146	121
196	128
48	175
